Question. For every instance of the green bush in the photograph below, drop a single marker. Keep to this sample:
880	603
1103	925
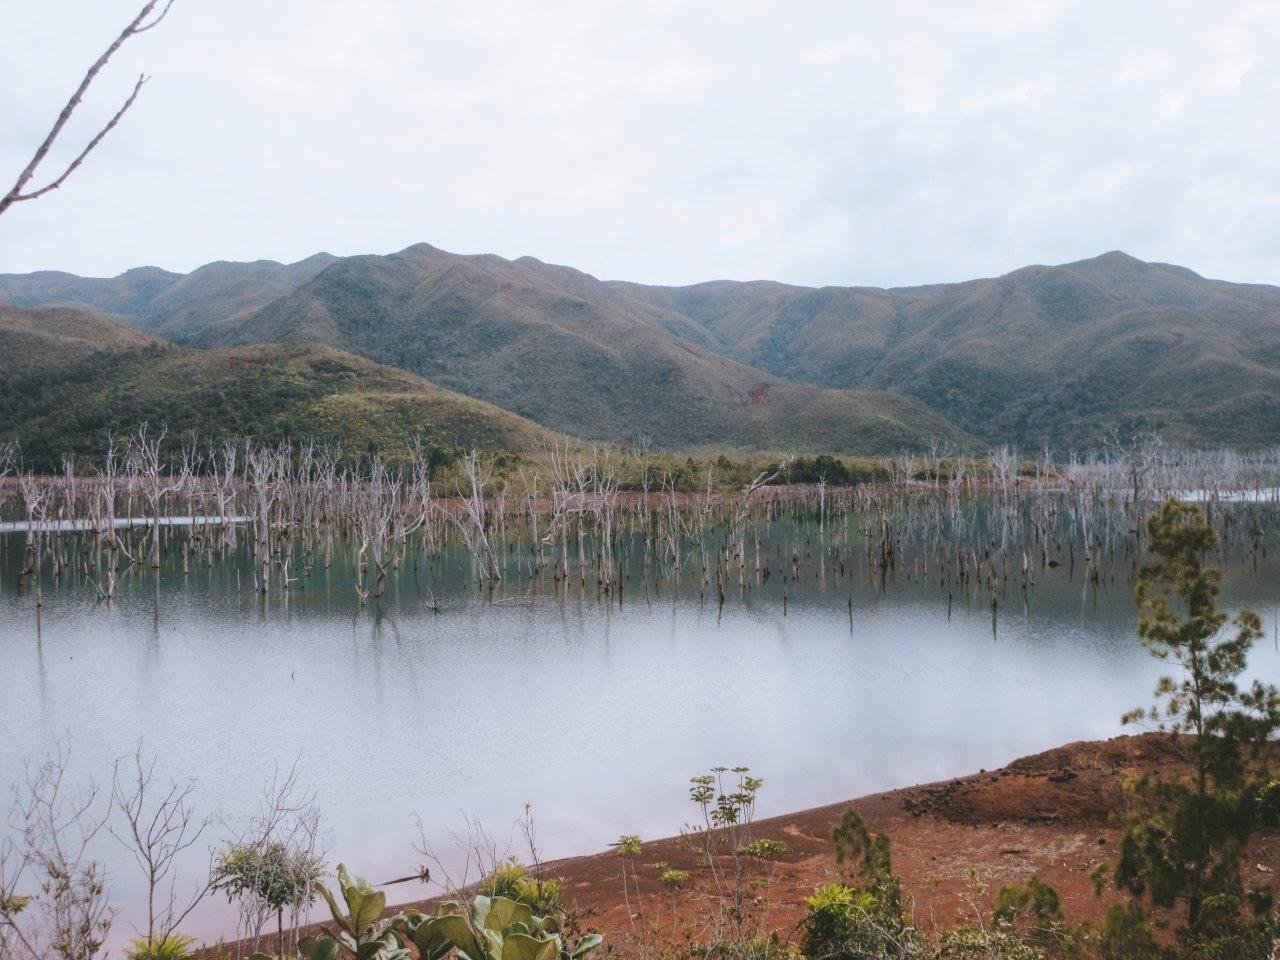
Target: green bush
843	923
175	946
511	879
765	849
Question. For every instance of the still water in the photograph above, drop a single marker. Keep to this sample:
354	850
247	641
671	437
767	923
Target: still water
595	712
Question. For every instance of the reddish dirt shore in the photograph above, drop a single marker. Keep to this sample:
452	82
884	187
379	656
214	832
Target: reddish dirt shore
1053	815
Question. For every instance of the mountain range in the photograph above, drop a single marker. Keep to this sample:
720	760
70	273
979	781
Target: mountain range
1055	355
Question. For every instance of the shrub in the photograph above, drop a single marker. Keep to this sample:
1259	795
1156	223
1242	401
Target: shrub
673	879
848	924
511	879
1126	935
175	946
765	849
980	943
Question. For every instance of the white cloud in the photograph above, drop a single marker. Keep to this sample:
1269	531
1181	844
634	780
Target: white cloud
815	142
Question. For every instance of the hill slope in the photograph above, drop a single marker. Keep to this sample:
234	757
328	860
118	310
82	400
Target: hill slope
1043	354
173	305
570	352
68	404
33	339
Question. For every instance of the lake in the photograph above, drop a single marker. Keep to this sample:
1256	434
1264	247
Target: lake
447	701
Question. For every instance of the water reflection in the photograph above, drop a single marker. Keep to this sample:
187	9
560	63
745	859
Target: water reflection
594	711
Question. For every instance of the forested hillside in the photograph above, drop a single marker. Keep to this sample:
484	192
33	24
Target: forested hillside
1043	355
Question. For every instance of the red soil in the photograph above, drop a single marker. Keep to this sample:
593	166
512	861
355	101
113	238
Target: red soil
1053	815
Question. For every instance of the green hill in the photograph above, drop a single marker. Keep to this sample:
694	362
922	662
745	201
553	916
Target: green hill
569	352
35	339
1043	354
1046	354
172	305
70	404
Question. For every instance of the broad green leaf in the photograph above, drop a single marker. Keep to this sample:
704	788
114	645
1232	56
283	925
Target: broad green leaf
587	944
313	949
521	946
455	928
371	906
430	937
492	942
503	913
480	910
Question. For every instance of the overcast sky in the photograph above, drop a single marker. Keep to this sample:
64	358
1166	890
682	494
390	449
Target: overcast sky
812	142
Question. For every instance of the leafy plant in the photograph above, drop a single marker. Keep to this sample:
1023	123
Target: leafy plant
272	873
844	923
868	858
728	808
1034	910
511	879
766	849
1126	935
673	879
175	946
494	928
986	943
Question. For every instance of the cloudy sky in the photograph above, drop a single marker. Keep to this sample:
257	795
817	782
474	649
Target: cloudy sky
813	142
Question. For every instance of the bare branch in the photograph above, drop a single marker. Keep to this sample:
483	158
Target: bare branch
138	25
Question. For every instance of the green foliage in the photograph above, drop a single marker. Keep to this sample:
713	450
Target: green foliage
832	470
275	873
868	921
725	805
629	845
869	858
673	880
1126	935
175	946
511	880
986	943
1035	901
1184	843
494	928
13	904
272	392
765	849
844	923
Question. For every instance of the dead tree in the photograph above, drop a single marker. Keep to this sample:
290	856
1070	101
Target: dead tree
160	823
146	451
472	520
21	190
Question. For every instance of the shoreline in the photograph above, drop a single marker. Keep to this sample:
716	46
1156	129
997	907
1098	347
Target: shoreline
1051	815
